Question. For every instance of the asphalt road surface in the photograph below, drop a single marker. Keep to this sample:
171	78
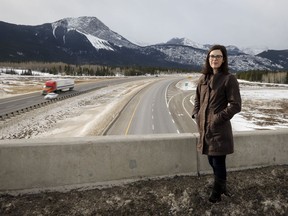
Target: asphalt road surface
159	108
11	104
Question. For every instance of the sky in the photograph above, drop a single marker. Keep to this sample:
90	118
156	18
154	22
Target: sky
243	23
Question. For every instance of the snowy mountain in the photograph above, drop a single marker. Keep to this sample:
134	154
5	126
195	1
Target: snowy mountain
99	35
189	52
187	42
238	61
86	40
230	49
277	56
83	40
254	50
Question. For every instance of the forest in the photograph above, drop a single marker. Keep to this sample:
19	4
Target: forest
83	70
264	76
99	70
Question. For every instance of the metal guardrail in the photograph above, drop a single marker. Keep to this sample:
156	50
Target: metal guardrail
20	111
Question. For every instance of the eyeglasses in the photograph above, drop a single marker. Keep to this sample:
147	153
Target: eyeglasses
215	56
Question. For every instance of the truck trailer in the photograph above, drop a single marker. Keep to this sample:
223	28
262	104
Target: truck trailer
58	85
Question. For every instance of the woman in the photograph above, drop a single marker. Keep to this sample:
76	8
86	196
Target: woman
217	100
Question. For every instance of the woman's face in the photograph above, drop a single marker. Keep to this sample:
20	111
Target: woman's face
215	59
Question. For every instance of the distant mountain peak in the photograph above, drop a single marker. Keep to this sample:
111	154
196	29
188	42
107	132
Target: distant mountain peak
185	42
90	27
254	50
85	24
100	36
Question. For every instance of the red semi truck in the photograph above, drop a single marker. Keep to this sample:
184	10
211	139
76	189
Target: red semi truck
58	85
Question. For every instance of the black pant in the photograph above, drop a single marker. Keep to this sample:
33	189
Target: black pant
218	163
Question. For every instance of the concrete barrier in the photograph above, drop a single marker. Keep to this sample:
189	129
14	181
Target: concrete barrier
66	163
254	149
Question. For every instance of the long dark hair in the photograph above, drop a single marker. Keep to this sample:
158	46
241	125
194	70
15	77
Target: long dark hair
223	68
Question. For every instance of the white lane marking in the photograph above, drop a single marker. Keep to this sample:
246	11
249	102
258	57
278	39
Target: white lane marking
188	113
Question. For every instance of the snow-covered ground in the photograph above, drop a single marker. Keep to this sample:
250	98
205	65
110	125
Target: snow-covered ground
265	106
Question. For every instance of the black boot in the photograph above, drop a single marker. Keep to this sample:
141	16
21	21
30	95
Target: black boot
216	192
224	189
219	187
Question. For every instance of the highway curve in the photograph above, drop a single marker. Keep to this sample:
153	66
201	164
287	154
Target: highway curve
159	108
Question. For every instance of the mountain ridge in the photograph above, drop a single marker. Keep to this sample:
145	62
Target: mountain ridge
86	39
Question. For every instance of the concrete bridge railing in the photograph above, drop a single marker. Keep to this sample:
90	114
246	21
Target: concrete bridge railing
65	163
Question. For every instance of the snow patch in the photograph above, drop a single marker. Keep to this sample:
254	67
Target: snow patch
98	43
262	105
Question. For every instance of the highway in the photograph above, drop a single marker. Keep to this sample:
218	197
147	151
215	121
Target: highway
159	108
12	105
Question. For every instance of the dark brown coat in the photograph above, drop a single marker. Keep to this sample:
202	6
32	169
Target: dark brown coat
217	100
